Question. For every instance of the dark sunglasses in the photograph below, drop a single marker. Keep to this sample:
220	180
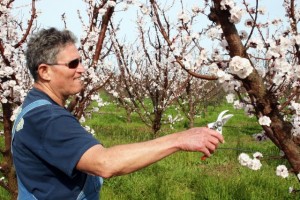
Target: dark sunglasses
73	64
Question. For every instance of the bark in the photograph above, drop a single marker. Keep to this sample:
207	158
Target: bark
7	168
264	101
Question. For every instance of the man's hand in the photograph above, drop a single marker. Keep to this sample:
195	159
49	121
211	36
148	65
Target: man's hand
201	139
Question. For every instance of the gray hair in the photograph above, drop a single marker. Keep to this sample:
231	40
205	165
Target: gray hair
44	46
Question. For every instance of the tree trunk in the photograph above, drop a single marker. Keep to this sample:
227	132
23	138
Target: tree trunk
156	124
191	122
7	168
264	101
128	115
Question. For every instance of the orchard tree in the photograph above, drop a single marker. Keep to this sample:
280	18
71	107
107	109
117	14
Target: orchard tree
94	48
14	81
198	94
120	95
148	79
259	62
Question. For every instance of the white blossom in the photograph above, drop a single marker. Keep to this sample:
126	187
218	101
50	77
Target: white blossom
264	121
243	34
230	98
238	105
261	10
240	66
229	3
184	17
282	171
145	10
297	39
214	32
111	3
254	164
244	159
196	9
224	44
235	15
102	11
224	78
295	106
257	155
82	119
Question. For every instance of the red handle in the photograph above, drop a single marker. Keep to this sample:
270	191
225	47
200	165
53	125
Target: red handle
204	156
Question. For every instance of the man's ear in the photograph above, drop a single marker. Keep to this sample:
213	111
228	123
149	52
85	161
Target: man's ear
44	72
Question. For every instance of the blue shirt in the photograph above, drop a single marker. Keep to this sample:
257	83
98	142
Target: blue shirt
46	149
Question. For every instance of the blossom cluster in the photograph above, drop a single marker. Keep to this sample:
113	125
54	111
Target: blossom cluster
252	163
172	120
295	118
255	164
108	4
14	78
241	67
236	13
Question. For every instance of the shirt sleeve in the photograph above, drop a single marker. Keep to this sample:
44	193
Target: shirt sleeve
64	141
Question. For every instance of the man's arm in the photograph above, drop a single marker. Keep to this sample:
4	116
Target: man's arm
127	158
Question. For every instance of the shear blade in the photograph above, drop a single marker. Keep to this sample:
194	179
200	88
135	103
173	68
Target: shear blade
226	118
220	117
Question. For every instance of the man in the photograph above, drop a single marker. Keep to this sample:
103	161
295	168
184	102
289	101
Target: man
54	156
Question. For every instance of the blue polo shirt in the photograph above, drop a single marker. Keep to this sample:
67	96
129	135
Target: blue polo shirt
46	149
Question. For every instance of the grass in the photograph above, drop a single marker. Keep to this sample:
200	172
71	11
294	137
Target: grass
183	175
3	193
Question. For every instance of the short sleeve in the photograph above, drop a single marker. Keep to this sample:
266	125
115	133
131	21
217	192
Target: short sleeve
64	140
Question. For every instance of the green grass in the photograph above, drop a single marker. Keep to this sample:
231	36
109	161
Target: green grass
183	175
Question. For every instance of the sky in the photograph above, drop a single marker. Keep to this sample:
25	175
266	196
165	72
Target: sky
51	11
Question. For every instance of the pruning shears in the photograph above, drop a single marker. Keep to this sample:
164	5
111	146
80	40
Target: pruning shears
218	124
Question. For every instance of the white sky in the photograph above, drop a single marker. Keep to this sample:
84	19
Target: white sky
53	9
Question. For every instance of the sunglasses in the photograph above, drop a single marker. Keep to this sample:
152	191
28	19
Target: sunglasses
73	64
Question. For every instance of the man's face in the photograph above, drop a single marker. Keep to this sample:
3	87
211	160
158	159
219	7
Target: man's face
66	81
